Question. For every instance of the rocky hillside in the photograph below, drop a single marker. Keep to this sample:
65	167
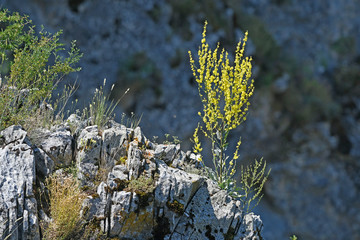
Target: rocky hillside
305	115
134	189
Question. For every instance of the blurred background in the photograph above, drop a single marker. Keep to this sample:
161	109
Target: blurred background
305	114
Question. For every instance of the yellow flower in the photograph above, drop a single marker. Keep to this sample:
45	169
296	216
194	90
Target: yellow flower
225	91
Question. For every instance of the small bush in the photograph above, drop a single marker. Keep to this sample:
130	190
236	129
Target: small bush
36	67
65	200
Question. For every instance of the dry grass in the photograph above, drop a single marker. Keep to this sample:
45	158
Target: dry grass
65	199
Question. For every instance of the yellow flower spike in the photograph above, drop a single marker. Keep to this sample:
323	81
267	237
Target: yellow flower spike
224	90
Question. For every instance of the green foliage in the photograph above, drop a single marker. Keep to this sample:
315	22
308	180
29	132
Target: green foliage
101	110
62	100
252	181
141	184
122	160
36	67
293	237
168	141
225	91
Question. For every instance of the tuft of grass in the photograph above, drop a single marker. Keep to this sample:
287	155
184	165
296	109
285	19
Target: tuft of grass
14	229
65	200
101	109
131	122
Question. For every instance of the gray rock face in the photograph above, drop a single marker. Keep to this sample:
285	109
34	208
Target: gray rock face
314	38
331	183
18	206
144	198
114	147
58	145
89	145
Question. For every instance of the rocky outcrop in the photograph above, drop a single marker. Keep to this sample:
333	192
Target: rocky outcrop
134	191
18	206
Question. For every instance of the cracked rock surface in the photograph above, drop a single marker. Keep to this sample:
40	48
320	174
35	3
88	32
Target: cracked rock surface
136	189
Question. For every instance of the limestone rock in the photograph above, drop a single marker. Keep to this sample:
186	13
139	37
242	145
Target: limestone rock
134	163
115	143
142	196
18	206
177	204
166	152
12	136
59	146
89	145
44	164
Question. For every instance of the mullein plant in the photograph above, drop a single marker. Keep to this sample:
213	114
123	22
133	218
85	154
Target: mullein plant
225	91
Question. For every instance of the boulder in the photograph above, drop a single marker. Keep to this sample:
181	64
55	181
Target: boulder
58	144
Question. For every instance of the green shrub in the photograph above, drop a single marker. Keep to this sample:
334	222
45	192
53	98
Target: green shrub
36	67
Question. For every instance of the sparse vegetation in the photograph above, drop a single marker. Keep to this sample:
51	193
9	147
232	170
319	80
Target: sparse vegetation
293	237
131	122
252	181
35	68
101	109
65	200
141	184
167	141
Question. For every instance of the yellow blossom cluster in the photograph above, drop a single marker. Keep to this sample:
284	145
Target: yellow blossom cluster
224	89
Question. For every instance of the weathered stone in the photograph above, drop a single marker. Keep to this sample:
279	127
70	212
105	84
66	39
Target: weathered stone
174	186
127	220
89	145
134	162
18	207
115	141
166	153
182	206
13	135
250	228
44	164
139	136
59	146
120	172
320	38
174	205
